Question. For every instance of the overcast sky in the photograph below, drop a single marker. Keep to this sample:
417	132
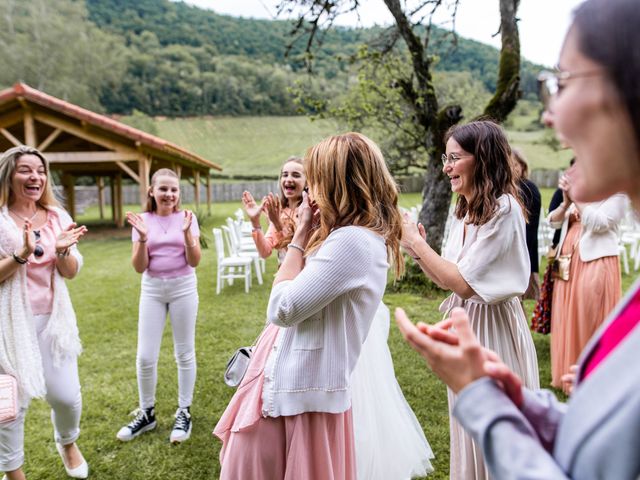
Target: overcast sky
542	26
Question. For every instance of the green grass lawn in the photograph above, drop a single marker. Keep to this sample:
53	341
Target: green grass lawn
105	296
241	143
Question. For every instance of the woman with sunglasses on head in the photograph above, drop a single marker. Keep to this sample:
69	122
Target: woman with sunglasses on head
291	415
529	434
281	210
39	342
166	251
485	262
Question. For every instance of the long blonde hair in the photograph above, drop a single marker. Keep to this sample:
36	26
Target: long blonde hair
8	163
352	186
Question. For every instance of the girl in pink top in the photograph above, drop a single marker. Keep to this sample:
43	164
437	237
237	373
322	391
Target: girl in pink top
280	210
166	250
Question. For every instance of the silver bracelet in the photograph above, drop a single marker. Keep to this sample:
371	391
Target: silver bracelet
255	229
63	254
297	247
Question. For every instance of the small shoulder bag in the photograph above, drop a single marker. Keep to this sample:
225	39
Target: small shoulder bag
8	398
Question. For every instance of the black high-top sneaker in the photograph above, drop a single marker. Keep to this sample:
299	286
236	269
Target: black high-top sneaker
144	421
182	426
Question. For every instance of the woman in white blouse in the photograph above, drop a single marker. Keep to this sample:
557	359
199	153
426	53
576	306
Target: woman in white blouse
582	301
484	262
291	416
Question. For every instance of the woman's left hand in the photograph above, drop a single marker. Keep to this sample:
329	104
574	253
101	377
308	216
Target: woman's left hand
306	212
188	218
69	237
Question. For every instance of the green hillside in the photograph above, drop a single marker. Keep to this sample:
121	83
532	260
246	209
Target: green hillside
259	145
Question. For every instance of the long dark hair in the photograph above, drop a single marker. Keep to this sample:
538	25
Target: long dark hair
608	32
493	174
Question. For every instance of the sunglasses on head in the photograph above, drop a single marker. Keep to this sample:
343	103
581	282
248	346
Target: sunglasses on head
39	251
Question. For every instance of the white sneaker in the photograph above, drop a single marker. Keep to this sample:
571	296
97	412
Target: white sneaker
81	471
182	426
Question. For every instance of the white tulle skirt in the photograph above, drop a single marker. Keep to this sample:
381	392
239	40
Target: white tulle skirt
390	443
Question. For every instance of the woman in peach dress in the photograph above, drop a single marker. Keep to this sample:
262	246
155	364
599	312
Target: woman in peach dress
581	303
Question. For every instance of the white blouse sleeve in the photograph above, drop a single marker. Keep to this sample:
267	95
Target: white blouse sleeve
496	266
343	263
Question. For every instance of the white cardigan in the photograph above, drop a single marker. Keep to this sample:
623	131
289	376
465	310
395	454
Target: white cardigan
600	224
325	312
19	350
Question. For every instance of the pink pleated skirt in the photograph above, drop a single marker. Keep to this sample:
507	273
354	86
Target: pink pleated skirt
312	445
580	305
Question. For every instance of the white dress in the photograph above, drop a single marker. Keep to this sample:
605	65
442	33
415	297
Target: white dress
389	441
494	261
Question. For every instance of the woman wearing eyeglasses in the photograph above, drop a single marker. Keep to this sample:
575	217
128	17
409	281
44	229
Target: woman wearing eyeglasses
485	262
530	434
39	341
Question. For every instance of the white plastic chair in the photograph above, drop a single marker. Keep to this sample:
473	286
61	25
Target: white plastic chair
226	269
232	244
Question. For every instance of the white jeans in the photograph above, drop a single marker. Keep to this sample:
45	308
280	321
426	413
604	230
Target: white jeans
63	395
179	298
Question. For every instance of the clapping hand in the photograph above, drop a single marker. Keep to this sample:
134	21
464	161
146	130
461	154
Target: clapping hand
137	222
188	218
569	379
271	206
251	207
69	237
411	233
28	239
457	357
308	213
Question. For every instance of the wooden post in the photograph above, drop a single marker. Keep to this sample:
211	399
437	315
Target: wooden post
144	168
100	184
119	212
30	130
112	187
178	170
68	183
209	193
196	188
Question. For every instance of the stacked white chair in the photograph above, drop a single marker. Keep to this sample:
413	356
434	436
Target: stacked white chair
630	236
227	265
545	235
235	249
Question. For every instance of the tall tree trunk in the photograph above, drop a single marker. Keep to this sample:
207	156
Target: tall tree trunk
508	84
436	193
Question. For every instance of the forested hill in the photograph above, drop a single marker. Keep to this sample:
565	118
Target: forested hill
176	23
164	58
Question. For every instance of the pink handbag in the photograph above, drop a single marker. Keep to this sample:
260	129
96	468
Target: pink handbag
8	398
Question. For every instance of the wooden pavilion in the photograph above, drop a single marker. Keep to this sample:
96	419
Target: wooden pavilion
79	142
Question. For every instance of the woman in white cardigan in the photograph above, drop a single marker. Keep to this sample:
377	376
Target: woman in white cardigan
291	416
581	303
39	341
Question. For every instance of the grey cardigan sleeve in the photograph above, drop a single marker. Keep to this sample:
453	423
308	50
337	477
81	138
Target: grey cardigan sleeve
515	443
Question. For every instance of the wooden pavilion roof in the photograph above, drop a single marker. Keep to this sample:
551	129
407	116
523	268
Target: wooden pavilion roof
82	142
